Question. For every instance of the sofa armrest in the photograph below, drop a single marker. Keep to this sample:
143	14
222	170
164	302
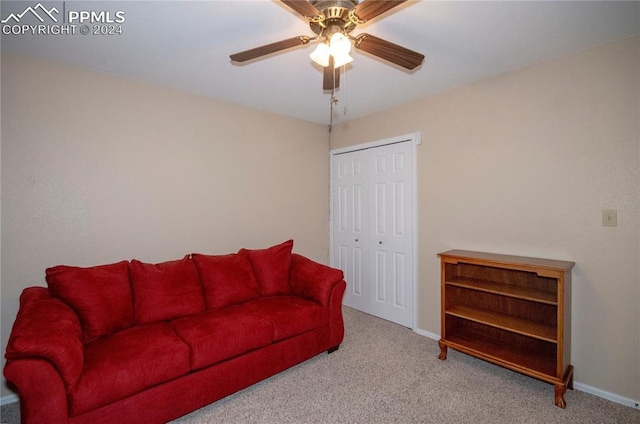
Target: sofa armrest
313	280
43	396
47	328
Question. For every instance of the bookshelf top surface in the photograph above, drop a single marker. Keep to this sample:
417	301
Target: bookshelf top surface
506	260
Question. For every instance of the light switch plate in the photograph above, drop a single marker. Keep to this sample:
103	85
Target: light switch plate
609	218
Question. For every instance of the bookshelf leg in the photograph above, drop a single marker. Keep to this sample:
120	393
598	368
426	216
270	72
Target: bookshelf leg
443	350
560	390
568	379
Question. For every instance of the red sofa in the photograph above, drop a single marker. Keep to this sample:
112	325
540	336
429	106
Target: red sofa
132	342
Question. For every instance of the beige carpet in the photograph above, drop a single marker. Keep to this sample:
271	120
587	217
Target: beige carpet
385	373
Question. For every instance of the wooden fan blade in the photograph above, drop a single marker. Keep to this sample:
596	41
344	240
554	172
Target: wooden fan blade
388	51
330	75
303	7
369	9
327	80
269	48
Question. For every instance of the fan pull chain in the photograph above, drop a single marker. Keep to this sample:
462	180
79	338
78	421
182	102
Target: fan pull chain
331	103
344	88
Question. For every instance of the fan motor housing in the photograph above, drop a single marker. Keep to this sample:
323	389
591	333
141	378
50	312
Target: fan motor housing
325	5
335	12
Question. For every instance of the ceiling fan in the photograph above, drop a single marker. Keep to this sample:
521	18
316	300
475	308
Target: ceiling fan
333	21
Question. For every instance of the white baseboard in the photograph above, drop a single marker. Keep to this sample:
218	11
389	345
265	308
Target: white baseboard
607	395
576	385
427	334
8	399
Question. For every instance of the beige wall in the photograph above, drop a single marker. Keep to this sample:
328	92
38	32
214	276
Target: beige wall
96	169
523	164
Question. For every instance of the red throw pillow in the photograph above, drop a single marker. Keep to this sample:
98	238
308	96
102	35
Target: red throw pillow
164	291
100	295
271	267
227	279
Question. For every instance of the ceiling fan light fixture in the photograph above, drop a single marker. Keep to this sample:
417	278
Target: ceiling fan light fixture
333	21
341	60
321	55
339	45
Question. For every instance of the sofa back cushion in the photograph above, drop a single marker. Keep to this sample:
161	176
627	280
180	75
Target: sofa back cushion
226	279
99	295
271	267
164	291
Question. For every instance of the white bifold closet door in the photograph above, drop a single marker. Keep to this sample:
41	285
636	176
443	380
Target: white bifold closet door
372	224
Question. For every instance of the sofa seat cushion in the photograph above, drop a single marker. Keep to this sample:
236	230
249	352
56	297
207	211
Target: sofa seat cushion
290	315
128	362
222	334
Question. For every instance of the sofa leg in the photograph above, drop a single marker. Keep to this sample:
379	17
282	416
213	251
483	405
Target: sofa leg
333	349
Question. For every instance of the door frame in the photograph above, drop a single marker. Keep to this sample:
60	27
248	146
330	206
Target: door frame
415	139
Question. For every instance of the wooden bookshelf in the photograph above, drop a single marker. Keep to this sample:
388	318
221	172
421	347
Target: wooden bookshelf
510	310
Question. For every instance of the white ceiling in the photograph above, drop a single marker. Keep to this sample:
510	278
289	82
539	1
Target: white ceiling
186	46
